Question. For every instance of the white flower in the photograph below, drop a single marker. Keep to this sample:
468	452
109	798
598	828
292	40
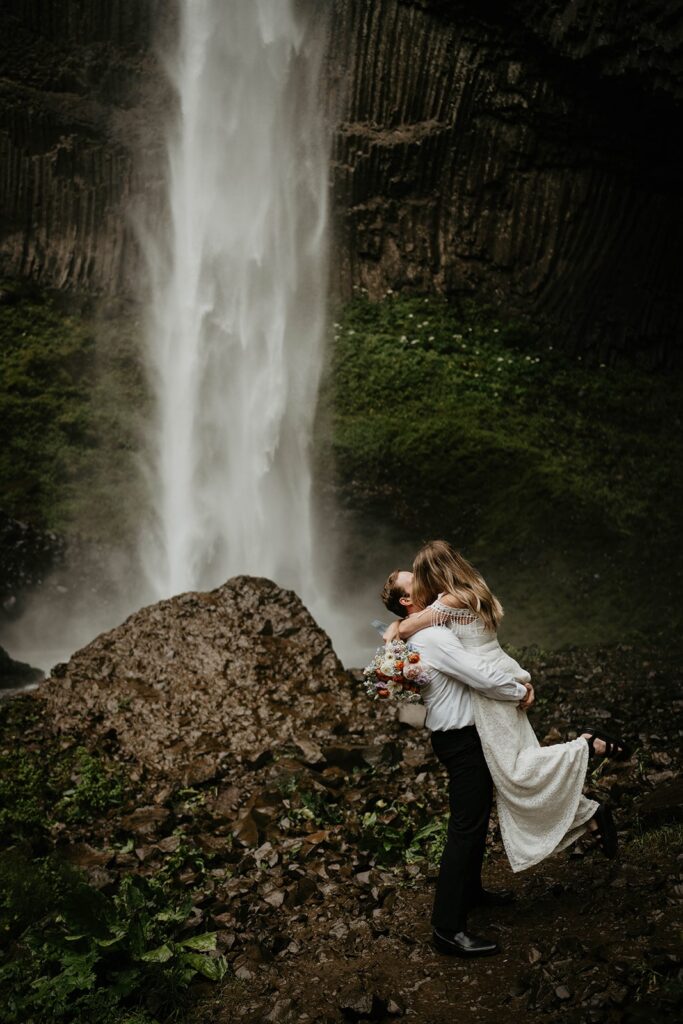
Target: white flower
387	667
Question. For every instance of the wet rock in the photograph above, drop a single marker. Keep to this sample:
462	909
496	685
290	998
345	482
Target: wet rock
82	855
663	805
225	696
279	1011
145	820
17	674
225	803
311	752
347	757
359	1004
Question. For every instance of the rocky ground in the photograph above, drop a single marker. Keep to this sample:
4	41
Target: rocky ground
305	822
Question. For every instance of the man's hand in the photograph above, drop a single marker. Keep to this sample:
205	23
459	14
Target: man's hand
527	701
392	632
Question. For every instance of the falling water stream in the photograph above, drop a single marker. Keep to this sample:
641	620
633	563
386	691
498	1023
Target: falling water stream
237	315
237	270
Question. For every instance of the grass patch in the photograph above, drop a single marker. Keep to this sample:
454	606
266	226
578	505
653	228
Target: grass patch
662	841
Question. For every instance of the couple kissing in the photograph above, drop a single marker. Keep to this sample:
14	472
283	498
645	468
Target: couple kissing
476	701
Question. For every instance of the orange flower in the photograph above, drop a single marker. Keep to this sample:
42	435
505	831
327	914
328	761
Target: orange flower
413	657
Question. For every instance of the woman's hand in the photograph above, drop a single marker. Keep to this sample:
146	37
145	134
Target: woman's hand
392	632
527	701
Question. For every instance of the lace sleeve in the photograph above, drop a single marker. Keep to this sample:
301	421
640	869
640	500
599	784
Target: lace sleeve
443	615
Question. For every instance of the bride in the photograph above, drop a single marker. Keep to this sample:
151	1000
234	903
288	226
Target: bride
541	808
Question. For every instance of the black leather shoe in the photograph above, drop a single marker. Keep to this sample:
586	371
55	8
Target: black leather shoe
488	898
462	944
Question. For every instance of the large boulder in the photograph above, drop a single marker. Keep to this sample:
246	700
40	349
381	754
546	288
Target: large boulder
202	683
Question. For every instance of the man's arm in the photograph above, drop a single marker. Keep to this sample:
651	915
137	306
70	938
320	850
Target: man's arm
447	655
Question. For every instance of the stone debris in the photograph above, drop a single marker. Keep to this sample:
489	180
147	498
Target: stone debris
303	823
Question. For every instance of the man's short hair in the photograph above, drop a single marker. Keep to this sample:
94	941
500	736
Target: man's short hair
392	594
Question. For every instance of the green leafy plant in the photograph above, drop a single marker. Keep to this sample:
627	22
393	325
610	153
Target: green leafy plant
92	950
310	805
96	788
42	785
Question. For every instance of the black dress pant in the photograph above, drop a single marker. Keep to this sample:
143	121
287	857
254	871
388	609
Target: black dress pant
470	794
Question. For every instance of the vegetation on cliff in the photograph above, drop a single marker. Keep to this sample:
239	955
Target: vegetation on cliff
70	396
450	421
451	416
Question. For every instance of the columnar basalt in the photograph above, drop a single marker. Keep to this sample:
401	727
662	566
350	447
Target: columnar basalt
522	152
79	98
525	160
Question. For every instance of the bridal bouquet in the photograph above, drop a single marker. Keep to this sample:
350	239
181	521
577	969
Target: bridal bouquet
395	672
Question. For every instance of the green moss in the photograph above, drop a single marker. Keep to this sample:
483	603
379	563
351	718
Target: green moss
71	390
42	783
448	415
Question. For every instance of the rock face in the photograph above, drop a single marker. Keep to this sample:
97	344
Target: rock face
16	674
27	556
522	153
204	680
77	97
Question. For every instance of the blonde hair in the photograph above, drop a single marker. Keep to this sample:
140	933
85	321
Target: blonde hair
438	568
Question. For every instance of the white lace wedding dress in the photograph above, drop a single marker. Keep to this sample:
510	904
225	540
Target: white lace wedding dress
541	808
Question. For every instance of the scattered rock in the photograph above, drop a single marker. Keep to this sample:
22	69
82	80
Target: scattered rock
223	698
145	820
663	805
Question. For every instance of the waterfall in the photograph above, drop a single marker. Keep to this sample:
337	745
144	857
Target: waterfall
236	326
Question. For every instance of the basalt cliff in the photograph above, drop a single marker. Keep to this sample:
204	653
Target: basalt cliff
522	153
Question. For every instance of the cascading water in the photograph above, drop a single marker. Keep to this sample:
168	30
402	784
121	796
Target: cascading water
237	319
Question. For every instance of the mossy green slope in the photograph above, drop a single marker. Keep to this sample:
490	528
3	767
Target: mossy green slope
70	392
451	420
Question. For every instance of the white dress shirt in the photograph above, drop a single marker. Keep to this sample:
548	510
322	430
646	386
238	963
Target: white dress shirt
452	671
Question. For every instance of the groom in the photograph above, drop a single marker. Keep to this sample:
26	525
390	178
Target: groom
456	743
